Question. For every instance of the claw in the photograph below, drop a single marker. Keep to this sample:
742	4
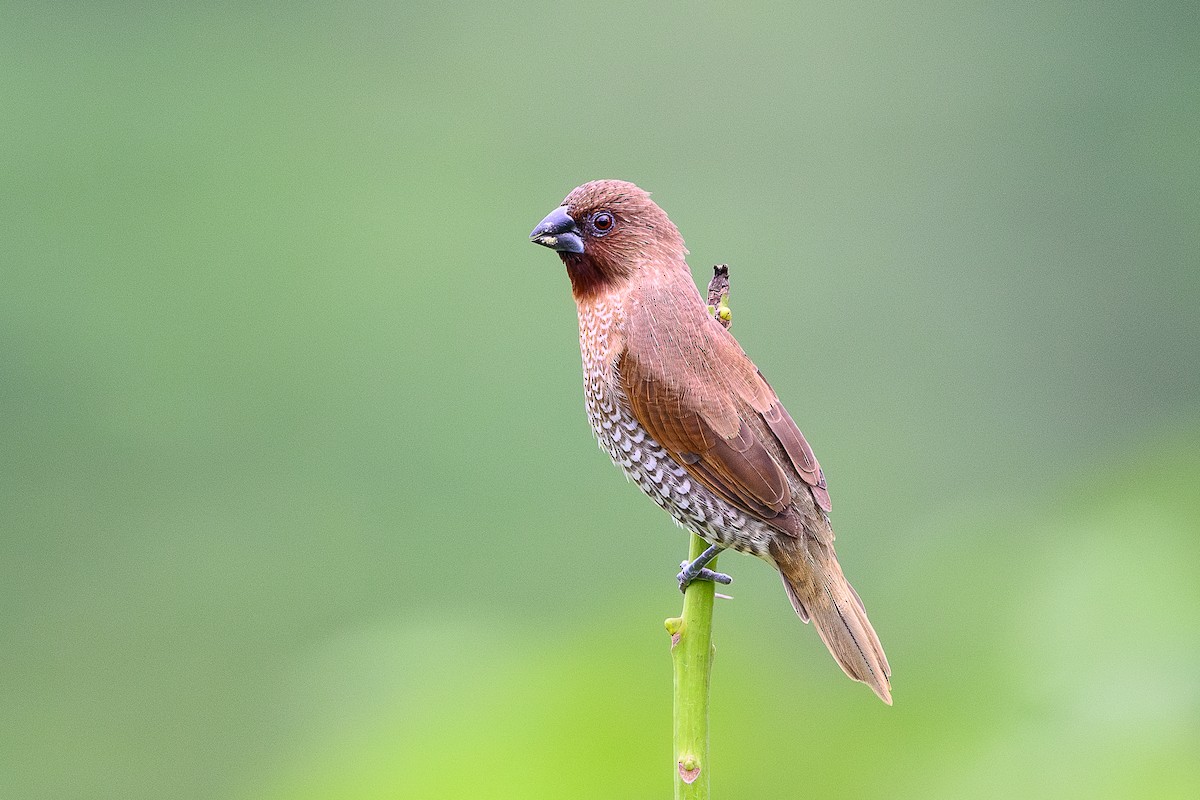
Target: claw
696	571
703	574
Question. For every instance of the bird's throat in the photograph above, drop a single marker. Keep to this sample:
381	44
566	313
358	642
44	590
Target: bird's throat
588	278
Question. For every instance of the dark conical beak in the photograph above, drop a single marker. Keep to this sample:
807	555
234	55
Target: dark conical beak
558	232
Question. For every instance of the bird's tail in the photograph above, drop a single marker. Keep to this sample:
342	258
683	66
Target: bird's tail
820	592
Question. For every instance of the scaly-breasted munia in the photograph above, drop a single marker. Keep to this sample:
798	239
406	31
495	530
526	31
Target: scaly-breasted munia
683	411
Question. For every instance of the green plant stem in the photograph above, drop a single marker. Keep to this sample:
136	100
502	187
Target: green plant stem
691	655
691	633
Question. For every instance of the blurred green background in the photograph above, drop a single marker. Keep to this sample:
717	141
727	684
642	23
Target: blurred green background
298	495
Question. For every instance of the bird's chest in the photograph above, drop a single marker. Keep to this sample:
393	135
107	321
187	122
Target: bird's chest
643	460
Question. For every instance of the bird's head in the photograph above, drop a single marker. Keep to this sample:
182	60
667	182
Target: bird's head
605	232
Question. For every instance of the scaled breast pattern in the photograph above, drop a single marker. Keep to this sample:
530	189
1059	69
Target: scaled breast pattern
643	460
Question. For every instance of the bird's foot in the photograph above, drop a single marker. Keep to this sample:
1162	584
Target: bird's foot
696	570
703	574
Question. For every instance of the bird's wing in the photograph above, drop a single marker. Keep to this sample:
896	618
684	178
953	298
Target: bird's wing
794	444
707	404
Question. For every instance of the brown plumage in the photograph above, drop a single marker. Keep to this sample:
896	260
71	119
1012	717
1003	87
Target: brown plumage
684	412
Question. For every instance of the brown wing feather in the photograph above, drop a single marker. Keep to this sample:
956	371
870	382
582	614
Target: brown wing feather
744	464
799	453
706	403
737	468
754	390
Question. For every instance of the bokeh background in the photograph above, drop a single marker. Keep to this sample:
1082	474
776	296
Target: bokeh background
298	496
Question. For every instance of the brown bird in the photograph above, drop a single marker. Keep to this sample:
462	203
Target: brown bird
685	413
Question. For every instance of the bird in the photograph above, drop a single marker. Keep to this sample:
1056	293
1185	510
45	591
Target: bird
684	412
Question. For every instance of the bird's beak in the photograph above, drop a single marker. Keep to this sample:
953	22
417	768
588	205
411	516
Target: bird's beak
558	232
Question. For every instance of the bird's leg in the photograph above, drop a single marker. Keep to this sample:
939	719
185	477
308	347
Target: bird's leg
695	571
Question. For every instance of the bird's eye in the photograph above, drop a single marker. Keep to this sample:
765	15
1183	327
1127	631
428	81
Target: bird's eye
603	223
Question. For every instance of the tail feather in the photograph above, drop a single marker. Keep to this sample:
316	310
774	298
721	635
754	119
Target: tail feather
820	592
